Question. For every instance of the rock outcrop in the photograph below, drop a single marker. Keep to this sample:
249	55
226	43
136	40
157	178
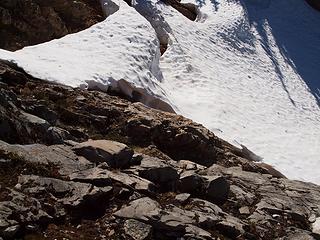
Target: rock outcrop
85	164
29	22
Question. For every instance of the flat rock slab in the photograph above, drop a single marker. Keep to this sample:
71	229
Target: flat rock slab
117	155
60	156
143	209
170	220
137	230
104	177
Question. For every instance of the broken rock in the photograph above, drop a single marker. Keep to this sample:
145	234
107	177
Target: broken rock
117	155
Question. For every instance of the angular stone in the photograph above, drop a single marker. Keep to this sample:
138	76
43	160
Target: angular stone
241	196
104	177
190	182
316	226
137	230
143	209
231	227
117	155
60	156
196	233
244	210
217	189
160	172
176	220
25	209
70	194
188	165
204	206
182	198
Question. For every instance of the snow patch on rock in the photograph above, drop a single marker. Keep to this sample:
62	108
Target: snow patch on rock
121	53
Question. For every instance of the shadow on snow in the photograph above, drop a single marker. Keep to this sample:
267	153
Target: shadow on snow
295	29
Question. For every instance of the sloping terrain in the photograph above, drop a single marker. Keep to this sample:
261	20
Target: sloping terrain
247	70
145	175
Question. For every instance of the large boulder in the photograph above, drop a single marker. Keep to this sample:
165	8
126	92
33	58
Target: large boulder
117	155
162	173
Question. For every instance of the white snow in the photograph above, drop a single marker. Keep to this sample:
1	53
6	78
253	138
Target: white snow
246	69
121	52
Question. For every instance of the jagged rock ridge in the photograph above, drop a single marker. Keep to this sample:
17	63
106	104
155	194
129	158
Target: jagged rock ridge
146	174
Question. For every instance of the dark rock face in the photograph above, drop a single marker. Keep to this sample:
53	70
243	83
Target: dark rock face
314	3
29	22
83	164
189	10
115	154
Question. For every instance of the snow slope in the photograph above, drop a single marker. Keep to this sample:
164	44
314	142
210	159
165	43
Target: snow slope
121	52
249	71
246	69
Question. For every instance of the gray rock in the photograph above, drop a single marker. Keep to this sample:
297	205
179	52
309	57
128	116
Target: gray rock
217	189
196	233
231	227
32	119
57	135
69	194
25	209
10	232
43	112
143	209
171	220
188	165
242	196
160	172
316	226
104	177
244	210
182	197
298	234
214	188
137	230
176	220
190	182
204	206
117	155
59	155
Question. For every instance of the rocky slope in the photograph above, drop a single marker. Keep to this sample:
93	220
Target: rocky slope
29	22
89	165
78	164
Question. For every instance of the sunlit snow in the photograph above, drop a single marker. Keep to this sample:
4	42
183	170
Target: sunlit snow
248	70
